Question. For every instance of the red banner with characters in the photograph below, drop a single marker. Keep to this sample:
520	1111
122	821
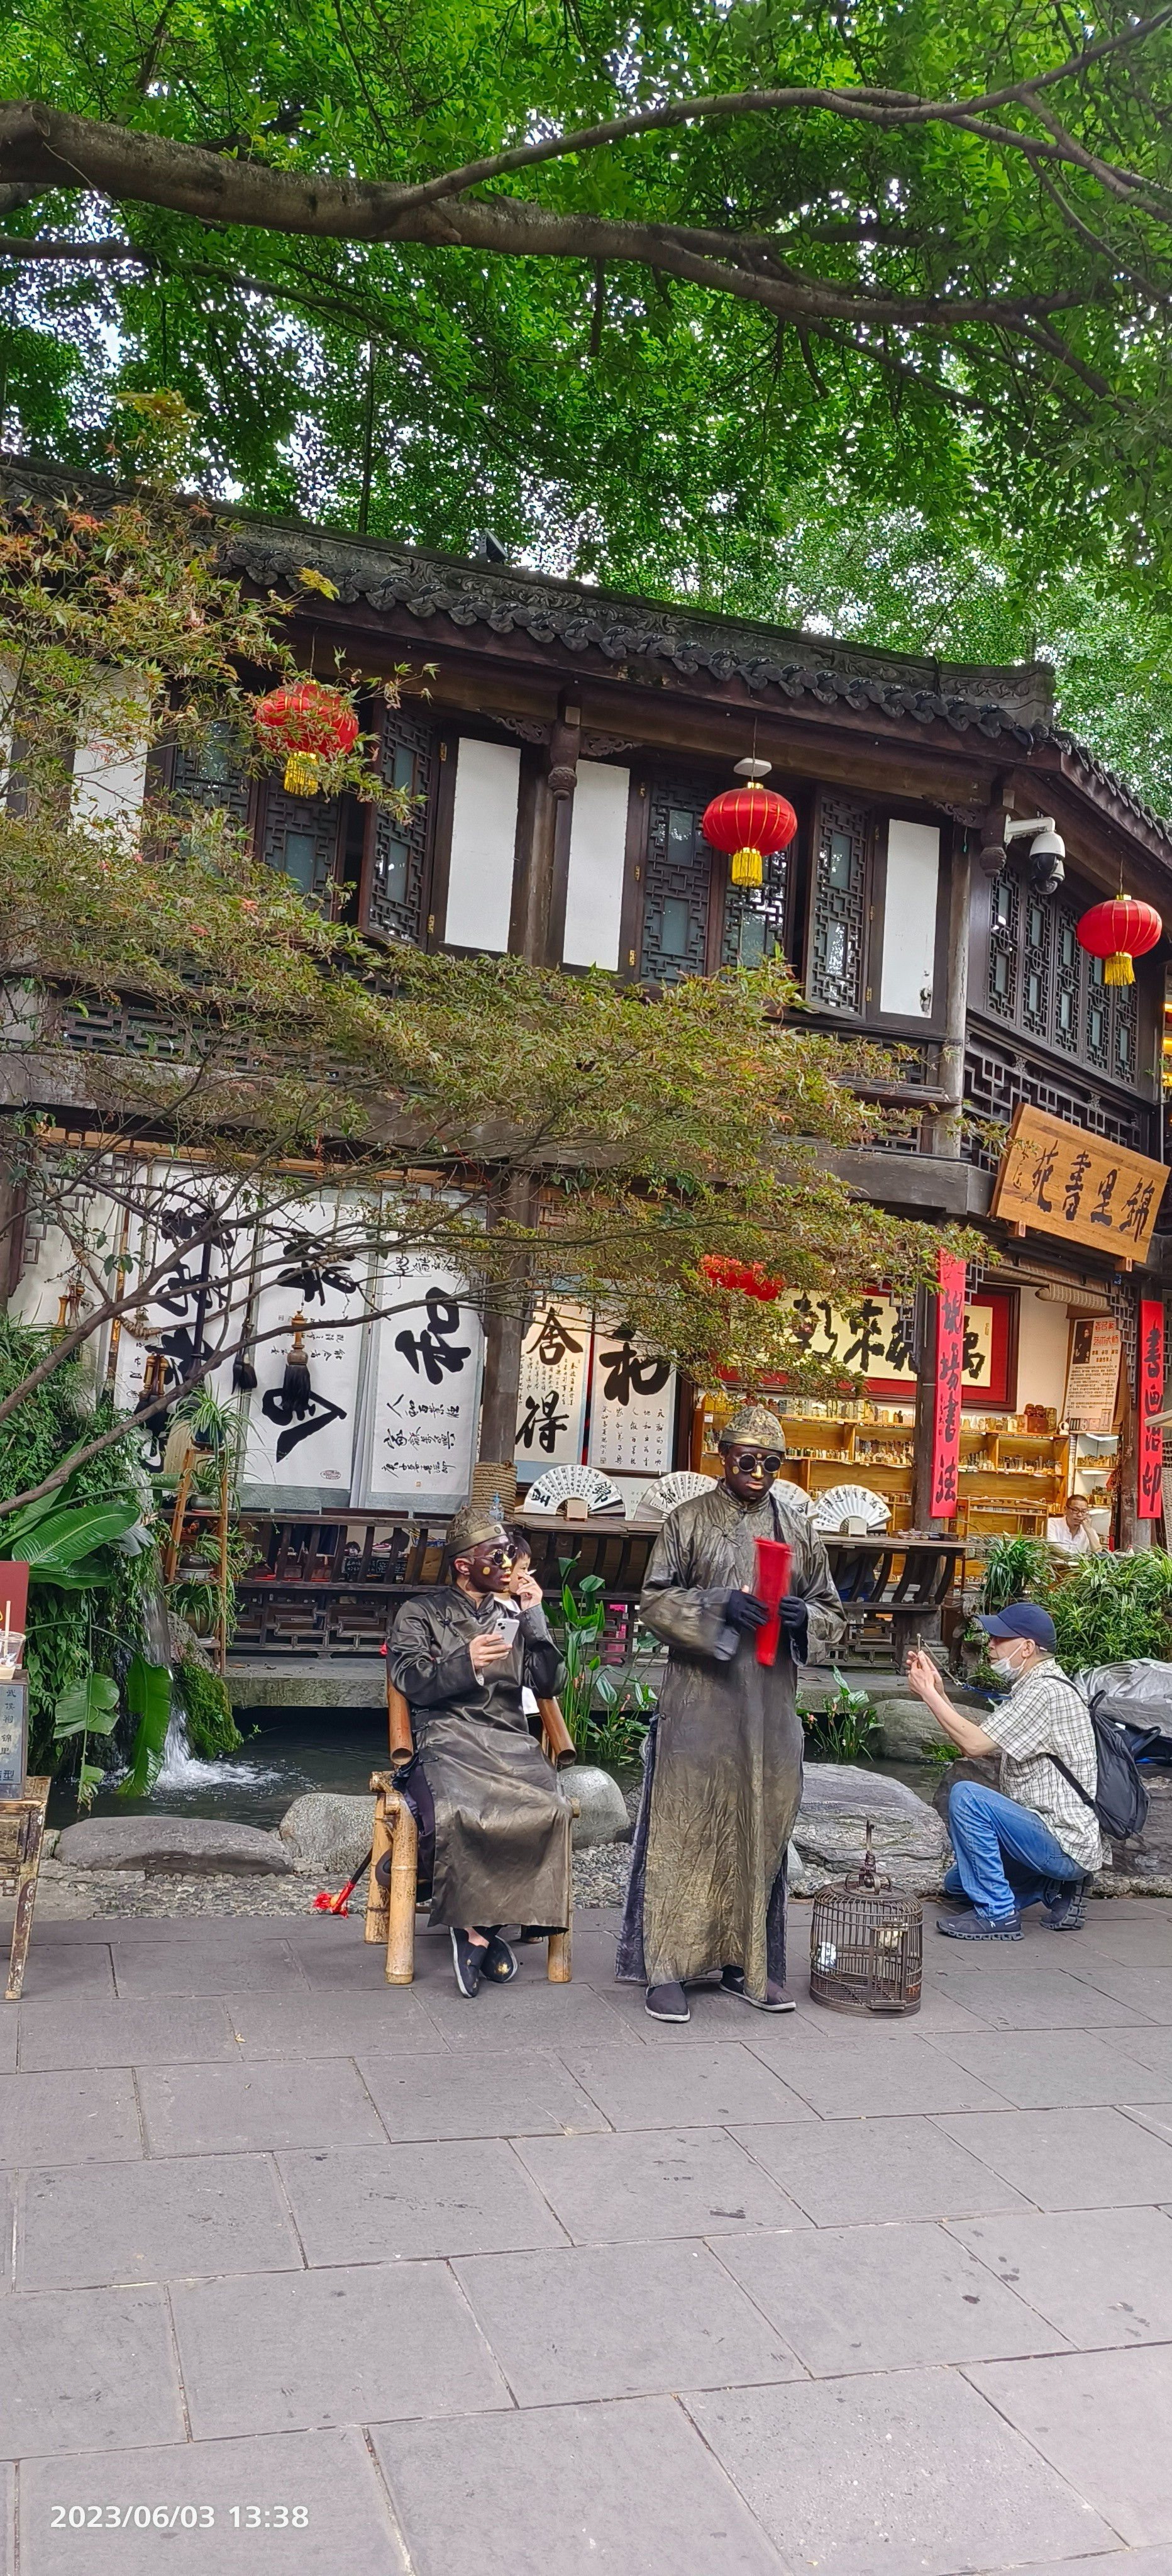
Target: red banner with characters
1151	1400
949	1385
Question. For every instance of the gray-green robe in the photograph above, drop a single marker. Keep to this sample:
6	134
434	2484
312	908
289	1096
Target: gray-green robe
724	1777
502	1824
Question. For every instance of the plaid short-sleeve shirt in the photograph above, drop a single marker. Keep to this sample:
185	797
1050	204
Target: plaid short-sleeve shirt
1042	1715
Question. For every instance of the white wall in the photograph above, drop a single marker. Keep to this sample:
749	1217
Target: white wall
484	836
1043	1339
109	775
598	843
909	917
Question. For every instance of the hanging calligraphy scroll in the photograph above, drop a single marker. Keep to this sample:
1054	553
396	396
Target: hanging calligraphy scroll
949	1362
632	1407
191	1232
299	1446
551	1401
1092	1378
1061	1180
869	1337
425	1390
1151	1400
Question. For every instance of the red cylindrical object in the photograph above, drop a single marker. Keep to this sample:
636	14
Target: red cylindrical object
773	1564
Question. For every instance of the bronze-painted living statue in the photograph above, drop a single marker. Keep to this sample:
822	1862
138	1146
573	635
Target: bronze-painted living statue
723	1780
494	1825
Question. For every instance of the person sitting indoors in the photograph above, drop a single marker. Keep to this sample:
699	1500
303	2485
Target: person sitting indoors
1072	1530
493	1821
1033	1840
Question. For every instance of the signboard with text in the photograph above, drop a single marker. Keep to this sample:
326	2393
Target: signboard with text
551	1398
13	1735
632	1407
1151	1400
1092	1378
1061	1180
949	1385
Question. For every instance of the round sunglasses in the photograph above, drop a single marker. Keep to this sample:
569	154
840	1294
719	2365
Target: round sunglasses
744	1460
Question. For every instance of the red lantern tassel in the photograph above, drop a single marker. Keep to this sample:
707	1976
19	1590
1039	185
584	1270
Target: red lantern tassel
773	1564
1119	969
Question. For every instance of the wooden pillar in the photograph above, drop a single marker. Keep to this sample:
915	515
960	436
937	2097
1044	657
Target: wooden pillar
925	1412
946	1137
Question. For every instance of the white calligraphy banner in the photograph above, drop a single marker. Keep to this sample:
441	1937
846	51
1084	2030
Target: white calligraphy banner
299	1439
632	1407
424	1399
868	1337
196	1231
555	1375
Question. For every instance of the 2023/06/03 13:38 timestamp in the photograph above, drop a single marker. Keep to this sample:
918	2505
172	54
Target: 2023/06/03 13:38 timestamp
178	2517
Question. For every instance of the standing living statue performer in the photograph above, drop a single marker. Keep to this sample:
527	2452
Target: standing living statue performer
494	1827
724	1764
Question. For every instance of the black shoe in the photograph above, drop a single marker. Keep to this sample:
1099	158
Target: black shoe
774	1999
982	1927
467	1960
497	1962
668	2003
1066	1913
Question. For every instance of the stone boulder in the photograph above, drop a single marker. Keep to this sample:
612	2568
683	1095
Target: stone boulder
172	1847
1142	1866
327	1832
979	1766
905	1727
602	1816
838	1801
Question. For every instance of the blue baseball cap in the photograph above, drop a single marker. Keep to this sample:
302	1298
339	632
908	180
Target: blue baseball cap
1022	1619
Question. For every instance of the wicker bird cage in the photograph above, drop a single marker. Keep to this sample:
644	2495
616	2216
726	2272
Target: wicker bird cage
866	1945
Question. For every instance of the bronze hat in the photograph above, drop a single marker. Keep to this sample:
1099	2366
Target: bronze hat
474	1527
753	1423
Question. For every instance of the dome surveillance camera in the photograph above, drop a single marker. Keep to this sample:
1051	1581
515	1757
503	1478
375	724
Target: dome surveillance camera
1048	844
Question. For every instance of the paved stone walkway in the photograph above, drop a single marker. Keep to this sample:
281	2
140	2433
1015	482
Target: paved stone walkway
532	2287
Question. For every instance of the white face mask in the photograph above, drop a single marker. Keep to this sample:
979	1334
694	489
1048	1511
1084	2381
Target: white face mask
1004	1668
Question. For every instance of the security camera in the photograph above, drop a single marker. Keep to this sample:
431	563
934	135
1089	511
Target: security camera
1048	844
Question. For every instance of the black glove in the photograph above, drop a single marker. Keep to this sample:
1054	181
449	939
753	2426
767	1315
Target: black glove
743	1610
794	1613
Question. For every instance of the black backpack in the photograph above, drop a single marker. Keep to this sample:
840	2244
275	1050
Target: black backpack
1120	1801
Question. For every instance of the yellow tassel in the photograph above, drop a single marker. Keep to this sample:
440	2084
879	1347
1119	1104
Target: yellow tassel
301	773
746	867
1119	969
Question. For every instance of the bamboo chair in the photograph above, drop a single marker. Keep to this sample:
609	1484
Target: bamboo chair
22	1834
390	1911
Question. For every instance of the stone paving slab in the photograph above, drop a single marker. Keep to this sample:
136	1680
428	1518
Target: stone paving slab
534	2286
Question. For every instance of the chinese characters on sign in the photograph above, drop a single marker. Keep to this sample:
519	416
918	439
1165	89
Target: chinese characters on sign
13	1736
949	1385
870	1340
426	1389
1092	1379
1061	1180
1151	1400
632	1407
300	1439
551	1405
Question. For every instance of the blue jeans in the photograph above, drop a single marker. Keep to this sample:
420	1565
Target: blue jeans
1005	1856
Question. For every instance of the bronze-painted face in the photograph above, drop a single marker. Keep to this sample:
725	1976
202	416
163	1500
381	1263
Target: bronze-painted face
487	1568
749	1470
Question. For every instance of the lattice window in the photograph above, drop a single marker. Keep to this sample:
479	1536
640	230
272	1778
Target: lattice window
214	776
1035	967
839	916
1124	1035
677	882
397	880
1004	928
135	1029
1068	957
300	837
997	1078
1097	1016
754	916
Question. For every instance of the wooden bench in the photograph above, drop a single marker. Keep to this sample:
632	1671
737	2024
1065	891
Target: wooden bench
22	1835
390	1911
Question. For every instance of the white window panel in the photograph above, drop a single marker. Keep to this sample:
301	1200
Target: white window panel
598	844
109	774
484	838
909	920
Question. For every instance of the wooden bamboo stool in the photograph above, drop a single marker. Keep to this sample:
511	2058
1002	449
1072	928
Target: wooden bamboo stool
22	1835
390	1911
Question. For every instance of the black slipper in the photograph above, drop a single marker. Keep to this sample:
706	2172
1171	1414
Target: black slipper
497	1962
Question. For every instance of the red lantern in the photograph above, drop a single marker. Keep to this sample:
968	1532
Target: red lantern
1118	932
309	724
751	823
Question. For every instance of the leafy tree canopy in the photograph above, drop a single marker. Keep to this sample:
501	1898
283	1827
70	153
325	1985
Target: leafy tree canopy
621	288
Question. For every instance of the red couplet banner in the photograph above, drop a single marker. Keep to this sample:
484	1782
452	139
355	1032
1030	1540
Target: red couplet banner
949	1355
1151	1400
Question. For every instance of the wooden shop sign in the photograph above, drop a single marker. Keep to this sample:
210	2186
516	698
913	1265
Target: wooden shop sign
1061	1180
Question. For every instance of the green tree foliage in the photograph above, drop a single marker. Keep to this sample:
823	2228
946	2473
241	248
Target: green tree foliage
619	285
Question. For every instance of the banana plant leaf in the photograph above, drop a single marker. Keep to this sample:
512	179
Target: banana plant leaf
90	1708
148	1697
88	1571
66	1536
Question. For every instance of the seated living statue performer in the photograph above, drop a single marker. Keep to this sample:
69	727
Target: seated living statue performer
494	1825
723	1780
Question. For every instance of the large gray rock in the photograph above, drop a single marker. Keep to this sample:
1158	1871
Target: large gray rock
905	1727
332	1833
602	1809
838	1801
172	1847
977	1766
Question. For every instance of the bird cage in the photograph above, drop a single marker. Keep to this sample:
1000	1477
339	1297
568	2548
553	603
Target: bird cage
866	1945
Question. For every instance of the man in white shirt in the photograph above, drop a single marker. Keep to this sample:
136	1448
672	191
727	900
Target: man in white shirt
1035	1839
1071	1529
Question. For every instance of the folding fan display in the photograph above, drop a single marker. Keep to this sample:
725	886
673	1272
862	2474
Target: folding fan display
851	1503
595	1490
682	1486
